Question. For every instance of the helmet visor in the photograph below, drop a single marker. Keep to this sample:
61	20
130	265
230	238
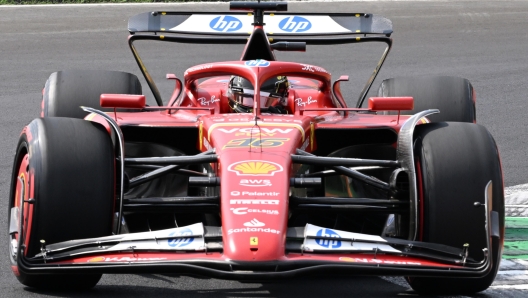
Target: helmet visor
246	98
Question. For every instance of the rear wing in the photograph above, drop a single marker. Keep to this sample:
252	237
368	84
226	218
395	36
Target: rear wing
261	24
275	24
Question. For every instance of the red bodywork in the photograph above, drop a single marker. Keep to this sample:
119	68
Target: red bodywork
254	155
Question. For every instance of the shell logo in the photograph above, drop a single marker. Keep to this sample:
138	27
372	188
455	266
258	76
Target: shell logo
255	168
96	259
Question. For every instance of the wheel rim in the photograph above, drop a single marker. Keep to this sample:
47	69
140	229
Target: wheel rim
20	226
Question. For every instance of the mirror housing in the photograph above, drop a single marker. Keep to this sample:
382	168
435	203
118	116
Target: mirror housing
127	101
401	103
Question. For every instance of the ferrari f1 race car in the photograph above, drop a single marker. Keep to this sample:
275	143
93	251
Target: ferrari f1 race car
256	169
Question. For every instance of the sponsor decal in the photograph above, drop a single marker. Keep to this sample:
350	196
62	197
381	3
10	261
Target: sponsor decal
96	259
180	242
253	230
377	261
282	120
207	145
253	142
253	202
237	193
250	122
311	68
257	63
255	182
254	223
205	102
122	259
301	103
255	168
253	240
295	24
225	24
305	144
328	243
246	210
255	131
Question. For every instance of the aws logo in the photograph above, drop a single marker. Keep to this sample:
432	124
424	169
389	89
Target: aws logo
225	24
255	168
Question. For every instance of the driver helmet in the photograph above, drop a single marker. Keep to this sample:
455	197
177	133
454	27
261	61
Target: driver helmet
273	94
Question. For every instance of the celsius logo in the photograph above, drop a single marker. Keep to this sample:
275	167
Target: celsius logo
295	24
326	242
225	24
180	242
257	63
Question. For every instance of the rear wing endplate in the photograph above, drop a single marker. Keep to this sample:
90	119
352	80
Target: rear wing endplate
276	24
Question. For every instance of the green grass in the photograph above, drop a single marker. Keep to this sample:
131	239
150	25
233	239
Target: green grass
516	242
22	2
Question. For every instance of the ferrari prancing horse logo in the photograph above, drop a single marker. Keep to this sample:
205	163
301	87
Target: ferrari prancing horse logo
253	240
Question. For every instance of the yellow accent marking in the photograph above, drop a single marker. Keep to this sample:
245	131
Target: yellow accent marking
200	134
253	240
270	33
255	167
312	135
358	38
162	36
163	13
357	15
270	39
90	117
250	14
162	29
358	31
272	14
96	259
23	177
252	123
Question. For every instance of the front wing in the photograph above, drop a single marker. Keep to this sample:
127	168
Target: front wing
196	250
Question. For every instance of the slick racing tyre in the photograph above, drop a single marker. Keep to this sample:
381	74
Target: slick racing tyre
454	163
62	188
453	96
67	90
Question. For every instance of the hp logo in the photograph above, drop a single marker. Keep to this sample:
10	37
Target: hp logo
180	242
225	24
295	24
328	243
257	63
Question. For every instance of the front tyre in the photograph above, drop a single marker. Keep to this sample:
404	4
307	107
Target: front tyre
453	96
67	167
455	162
65	91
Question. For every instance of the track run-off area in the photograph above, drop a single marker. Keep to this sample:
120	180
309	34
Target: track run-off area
483	41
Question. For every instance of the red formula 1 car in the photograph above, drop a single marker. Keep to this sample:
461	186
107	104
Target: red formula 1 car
256	169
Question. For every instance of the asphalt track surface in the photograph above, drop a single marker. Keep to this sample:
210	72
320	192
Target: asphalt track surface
483	41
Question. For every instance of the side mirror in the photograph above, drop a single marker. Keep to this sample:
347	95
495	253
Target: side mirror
391	103
127	101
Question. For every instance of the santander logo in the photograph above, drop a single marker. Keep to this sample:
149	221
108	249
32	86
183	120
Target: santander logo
254	223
